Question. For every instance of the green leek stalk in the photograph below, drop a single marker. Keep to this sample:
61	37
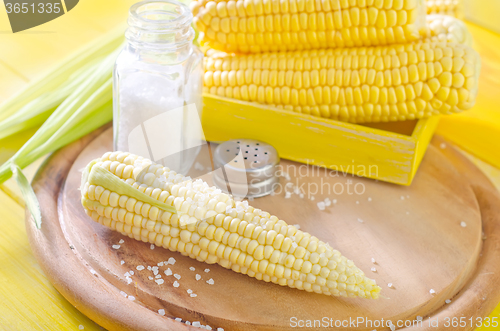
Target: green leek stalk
87	108
42	96
35	112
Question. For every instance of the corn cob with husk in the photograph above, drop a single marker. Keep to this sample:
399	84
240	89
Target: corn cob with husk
253	26
148	202
371	84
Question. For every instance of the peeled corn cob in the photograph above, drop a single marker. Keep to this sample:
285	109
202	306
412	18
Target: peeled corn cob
372	84
445	7
148	202
253	26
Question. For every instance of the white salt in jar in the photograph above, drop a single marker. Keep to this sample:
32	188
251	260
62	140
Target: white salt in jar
158	86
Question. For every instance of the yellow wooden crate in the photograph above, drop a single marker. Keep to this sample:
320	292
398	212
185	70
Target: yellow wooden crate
389	152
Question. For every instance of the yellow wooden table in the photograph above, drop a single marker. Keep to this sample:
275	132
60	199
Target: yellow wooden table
27	300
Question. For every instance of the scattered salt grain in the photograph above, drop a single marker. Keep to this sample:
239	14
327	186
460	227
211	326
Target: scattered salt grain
198	277
81	327
294	245
220	329
312	198
357	202
171	261
158	276
360	220
297	226
155	270
373	260
189	291
210	281
116	246
321	205
389	285
192	295
159	281
176	284
122	262
288	195
369	199
374	269
93	272
127	274
123	294
407	213
463	224
129	280
162	312
177	276
160	264
192	268
207	270
328	202
334	201
131	298
121	241
150	278
402	197
149	267
448	301
152	246
168	272
301	195
432	291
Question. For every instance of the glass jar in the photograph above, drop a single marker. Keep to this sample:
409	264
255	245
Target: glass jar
157	92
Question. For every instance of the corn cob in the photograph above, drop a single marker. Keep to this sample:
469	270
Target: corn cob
445	7
373	84
148	202
253	26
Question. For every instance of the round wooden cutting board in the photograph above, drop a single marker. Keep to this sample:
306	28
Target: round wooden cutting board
434	241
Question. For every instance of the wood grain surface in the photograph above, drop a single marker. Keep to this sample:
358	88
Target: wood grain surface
414	234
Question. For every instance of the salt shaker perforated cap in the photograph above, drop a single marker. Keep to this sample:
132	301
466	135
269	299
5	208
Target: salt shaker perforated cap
246	167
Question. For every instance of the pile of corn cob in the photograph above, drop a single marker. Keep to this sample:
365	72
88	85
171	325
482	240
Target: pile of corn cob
148	202
355	61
